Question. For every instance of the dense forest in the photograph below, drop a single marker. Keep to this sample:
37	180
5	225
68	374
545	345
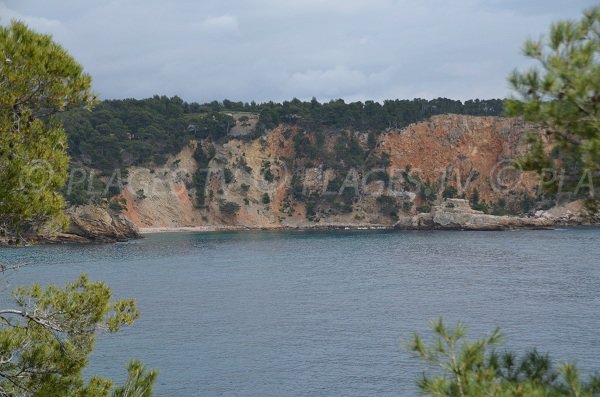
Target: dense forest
119	133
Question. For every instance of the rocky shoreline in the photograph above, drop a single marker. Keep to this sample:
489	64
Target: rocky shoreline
452	214
456	214
227	228
94	224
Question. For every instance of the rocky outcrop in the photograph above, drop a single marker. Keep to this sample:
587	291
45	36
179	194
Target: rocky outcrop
573	213
94	224
456	214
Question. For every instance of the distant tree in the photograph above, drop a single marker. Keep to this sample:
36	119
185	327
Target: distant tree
527	203
379	175
140	195
228	175
265	198
117	204
449	192
563	98
268	175
200	175
388	206
475	198
372	140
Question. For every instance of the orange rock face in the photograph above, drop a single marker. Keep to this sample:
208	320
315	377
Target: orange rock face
470	152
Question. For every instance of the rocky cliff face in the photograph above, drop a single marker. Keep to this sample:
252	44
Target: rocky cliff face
163	197
271	181
294	178
94	224
472	153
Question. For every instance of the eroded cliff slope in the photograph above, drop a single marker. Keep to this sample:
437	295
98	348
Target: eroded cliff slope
292	177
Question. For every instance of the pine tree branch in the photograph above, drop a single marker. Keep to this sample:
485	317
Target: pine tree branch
43	321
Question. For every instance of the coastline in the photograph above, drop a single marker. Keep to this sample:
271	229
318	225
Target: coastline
215	229
226	228
70	238
91	224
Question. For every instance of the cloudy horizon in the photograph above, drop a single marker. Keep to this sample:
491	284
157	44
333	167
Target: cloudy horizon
266	50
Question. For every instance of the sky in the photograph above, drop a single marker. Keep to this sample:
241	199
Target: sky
262	50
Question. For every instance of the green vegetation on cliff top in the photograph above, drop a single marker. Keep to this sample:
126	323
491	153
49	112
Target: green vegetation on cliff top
119	133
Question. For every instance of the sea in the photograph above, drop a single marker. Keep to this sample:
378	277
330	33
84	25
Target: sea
327	313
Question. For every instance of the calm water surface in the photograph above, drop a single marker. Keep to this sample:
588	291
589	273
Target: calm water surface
327	314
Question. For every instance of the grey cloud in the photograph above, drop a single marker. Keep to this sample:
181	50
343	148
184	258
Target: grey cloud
220	23
275	50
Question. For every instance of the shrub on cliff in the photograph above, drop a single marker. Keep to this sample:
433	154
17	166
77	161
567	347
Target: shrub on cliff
202	158
388	206
228	207
424	209
449	192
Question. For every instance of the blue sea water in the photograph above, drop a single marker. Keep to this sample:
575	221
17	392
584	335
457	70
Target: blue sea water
327	313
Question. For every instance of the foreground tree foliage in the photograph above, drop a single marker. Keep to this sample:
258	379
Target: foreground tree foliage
563	98
476	369
38	79
45	340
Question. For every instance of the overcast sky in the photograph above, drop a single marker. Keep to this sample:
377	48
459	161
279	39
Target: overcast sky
279	49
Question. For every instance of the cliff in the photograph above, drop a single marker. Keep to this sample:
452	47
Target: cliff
447	172
296	178
93	224
471	153
427	175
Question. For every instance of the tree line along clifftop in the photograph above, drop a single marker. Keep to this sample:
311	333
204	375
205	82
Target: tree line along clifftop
120	133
